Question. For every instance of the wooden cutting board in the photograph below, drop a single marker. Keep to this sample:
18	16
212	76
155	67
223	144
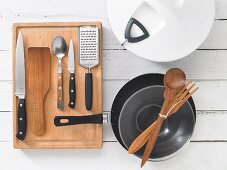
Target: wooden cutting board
37	41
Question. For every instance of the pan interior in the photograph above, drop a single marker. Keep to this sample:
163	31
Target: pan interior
142	109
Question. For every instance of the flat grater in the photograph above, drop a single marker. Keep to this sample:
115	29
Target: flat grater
88	57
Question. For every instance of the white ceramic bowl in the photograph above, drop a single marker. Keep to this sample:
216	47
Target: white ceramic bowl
176	27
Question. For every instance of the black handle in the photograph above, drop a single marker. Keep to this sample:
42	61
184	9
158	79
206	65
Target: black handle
21	120
76	120
128	31
88	90
72	91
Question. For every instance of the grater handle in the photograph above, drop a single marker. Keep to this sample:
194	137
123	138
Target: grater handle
88	90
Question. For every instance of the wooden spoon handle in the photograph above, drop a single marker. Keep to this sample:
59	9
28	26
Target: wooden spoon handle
141	139
152	140
153	137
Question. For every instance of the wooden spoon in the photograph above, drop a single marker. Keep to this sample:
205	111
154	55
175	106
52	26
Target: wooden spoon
182	96
174	81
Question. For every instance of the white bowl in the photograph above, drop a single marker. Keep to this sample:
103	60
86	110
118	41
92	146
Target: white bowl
176	27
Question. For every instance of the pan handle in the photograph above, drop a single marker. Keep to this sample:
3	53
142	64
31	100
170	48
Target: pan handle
76	120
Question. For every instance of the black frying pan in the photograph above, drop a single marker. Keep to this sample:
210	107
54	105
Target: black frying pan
137	105
135	124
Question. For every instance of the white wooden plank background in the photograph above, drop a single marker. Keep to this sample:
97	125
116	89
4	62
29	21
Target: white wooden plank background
207	66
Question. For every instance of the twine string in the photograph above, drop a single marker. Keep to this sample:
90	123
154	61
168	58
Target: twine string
165	116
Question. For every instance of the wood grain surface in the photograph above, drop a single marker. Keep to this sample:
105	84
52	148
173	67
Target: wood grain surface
38	38
38	84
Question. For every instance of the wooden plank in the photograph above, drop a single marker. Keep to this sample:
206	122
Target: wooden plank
7	133
8	21
121	64
210	126
96	8
43	8
221	9
216	38
200	65
112	157
5	65
203	100
6	96
43	12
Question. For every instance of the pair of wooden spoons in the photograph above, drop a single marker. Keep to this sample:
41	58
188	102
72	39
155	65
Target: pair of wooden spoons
175	94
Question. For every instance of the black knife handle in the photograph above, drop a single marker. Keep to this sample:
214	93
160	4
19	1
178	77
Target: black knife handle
88	90
76	120
21	120
72	91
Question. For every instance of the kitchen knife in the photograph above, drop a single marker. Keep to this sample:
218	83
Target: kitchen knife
20	88
72	89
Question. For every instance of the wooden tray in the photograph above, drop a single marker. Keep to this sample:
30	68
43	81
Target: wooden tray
39	36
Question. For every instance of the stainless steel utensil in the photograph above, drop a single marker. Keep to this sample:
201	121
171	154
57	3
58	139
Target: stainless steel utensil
88	57
71	69
59	48
20	88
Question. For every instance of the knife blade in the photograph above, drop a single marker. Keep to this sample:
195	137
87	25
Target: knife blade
71	65
20	88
